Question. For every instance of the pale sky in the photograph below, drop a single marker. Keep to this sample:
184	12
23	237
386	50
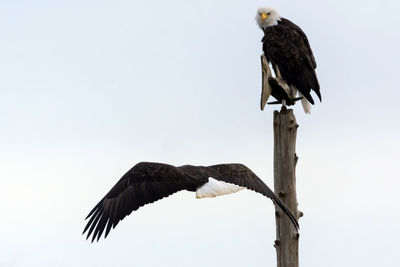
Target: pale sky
90	88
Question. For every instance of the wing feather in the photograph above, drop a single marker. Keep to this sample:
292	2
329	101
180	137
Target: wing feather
148	182
240	175
143	184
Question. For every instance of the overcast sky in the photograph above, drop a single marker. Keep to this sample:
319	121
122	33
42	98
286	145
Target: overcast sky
90	88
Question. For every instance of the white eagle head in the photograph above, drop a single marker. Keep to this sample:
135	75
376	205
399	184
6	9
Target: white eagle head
267	16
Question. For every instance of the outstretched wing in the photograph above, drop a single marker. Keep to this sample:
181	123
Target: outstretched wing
143	184
240	175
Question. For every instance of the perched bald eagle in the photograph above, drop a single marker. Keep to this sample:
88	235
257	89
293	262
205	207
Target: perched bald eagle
147	182
287	48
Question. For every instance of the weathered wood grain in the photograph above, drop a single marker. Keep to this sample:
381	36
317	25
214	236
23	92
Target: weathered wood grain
285	159
266	89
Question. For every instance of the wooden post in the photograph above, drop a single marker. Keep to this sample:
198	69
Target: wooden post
285	159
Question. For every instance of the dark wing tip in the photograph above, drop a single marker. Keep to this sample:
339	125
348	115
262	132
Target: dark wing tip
241	175
309	98
97	219
278	202
319	95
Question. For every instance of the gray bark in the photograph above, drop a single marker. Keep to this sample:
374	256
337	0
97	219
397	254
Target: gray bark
285	159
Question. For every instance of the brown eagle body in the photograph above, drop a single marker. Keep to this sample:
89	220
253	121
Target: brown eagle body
286	46
147	182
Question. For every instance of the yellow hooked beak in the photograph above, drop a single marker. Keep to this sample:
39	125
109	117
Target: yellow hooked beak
264	16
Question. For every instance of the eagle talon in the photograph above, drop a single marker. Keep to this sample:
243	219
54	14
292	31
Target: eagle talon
291	102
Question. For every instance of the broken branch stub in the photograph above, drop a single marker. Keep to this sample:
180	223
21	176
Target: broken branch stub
277	87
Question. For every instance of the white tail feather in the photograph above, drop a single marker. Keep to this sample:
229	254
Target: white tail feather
216	188
306	105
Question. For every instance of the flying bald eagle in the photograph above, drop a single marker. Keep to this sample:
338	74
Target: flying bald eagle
147	182
287	48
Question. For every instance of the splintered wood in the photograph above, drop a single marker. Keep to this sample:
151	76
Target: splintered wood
275	86
265	86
